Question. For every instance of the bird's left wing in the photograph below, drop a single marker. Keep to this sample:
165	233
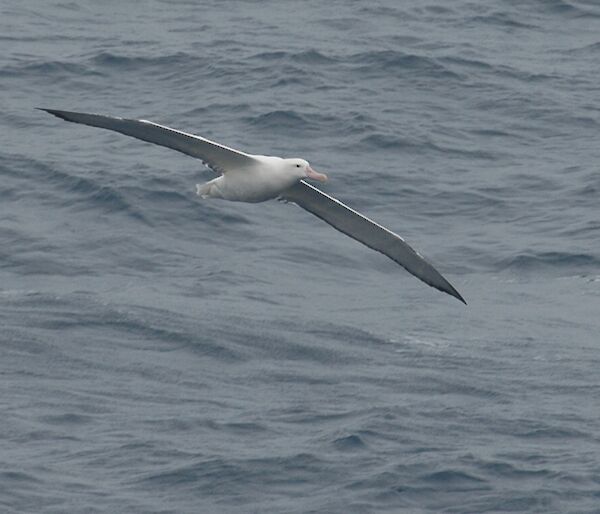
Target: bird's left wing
218	157
361	228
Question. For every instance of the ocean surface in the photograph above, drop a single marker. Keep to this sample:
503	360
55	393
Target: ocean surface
160	353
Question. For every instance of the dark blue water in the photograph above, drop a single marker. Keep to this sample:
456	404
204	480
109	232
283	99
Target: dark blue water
164	354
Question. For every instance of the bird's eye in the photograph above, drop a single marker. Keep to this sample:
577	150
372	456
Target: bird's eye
297	165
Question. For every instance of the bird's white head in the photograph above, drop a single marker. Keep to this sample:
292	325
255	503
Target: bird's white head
301	169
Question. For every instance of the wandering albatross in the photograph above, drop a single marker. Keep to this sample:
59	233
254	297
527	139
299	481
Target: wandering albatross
245	177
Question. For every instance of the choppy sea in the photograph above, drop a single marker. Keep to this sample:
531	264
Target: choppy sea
164	354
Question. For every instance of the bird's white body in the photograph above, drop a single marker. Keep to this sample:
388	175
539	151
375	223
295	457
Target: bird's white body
262	180
255	178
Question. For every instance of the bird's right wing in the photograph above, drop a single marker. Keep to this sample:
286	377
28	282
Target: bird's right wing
361	228
218	157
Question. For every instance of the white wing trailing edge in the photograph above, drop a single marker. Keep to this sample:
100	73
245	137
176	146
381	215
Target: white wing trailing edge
371	234
217	157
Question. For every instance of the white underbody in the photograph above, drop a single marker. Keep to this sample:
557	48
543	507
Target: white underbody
256	183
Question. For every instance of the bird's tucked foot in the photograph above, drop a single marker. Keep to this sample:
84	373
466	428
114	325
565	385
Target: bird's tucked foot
203	190
209	189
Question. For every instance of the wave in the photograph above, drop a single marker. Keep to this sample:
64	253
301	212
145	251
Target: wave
567	9
131	62
591	49
280	119
312	57
18	478
67	418
392	142
389	61
550	260
217	476
475	67
48	69
385	61
92	194
467	63
307	121
351	442
456	480
500	19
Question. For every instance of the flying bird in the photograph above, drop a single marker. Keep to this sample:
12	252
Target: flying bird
245	177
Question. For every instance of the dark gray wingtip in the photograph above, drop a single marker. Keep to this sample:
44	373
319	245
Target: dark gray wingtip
453	292
441	284
64	115
461	298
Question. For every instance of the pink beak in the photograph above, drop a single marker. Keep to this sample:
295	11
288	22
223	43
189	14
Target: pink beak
310	173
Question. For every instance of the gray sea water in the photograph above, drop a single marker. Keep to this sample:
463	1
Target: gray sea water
164	354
